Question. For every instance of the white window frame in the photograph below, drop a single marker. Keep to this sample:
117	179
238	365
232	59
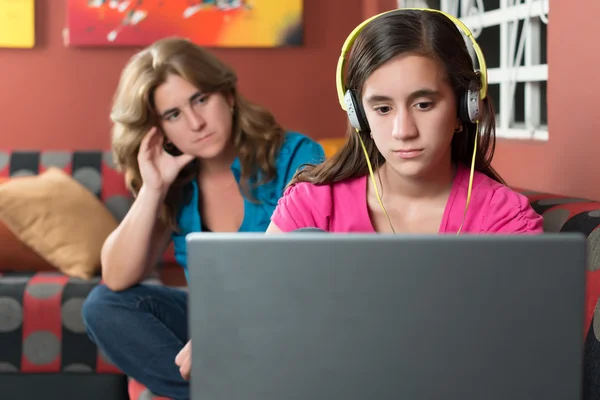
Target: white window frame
512	48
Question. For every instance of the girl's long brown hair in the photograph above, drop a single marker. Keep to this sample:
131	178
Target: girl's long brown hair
424	33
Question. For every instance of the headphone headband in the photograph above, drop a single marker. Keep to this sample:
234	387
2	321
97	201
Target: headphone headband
341	90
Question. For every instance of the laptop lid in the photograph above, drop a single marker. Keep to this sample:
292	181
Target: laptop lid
354	317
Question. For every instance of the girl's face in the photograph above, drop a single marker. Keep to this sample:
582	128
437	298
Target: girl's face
412	113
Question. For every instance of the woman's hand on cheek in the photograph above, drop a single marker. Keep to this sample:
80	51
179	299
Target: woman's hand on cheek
157	167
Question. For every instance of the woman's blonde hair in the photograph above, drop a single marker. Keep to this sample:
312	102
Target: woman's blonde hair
256	135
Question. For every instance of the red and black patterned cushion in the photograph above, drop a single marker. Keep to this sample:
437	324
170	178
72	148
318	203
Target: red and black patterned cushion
42	330
568	214
137	391
41	327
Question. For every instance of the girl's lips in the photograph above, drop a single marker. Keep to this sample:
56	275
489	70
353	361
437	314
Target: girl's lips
408	153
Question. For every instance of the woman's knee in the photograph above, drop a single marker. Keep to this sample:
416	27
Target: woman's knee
102	306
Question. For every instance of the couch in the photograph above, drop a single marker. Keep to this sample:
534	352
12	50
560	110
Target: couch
43	345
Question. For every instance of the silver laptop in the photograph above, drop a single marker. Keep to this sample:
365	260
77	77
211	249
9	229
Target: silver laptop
313	316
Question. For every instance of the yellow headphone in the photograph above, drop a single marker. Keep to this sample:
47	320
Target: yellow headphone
469	107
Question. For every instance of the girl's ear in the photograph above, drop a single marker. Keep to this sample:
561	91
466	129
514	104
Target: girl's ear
458	127
231	100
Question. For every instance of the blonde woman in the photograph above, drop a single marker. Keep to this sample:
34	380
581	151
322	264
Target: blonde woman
197	157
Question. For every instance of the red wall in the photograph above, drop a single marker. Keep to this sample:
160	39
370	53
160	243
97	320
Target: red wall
565	164
53	97
67	108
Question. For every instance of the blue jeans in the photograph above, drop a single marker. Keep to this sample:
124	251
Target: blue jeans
141	330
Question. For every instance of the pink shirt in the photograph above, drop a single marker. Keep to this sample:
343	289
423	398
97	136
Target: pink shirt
342	207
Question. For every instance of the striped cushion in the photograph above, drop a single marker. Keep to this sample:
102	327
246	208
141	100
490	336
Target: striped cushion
41	326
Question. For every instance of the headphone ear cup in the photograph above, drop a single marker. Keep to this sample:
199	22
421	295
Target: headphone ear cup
470	107
463	108
356	114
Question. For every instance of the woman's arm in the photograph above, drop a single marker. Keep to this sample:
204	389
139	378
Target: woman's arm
136	245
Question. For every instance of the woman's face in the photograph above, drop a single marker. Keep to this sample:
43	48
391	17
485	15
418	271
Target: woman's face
197	123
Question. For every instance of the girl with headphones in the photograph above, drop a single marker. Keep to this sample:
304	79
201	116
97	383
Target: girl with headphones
423	130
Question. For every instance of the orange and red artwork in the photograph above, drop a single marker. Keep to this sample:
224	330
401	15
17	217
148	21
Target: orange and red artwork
211	23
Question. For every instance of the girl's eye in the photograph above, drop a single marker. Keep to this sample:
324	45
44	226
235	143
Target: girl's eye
423	106
383	110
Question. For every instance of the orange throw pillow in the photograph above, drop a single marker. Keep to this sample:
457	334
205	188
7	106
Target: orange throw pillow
59	218
16	256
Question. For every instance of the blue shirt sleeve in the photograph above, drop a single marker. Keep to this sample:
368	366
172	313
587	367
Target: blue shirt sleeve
297	151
